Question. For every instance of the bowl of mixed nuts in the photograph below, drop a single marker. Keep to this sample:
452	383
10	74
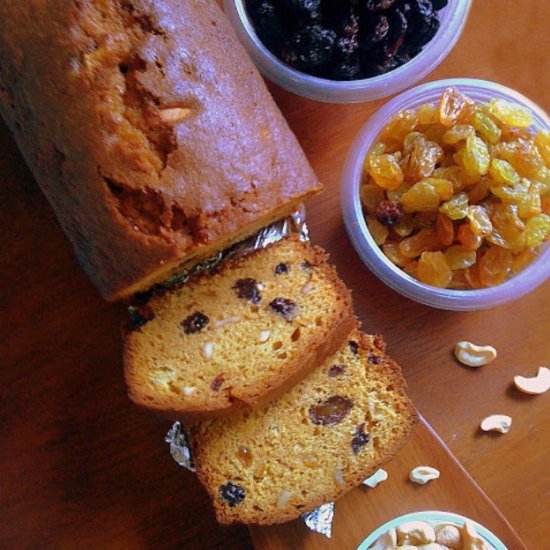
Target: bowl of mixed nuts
436	530
347	51
446	194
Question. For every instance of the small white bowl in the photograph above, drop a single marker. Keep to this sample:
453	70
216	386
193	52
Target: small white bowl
432	517
460	300
452	17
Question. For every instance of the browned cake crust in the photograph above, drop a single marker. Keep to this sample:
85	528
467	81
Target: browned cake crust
209	348
312	444
148	129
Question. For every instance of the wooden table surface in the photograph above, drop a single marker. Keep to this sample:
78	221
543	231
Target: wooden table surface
81	467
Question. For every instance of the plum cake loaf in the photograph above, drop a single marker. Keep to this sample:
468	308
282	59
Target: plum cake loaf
312	444
236	336
149	130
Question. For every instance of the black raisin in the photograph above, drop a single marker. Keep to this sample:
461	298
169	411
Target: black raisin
139	316
330	412
354	347
439	4
360	440
217	382
284	307
282	268
309	48
396	35
248	289
232	494
268	24
389	213
374	31
306	265
336	370
374	359
194	323
379	5
305	10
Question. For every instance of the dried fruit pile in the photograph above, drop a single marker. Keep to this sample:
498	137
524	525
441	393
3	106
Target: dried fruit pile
348	39
458	194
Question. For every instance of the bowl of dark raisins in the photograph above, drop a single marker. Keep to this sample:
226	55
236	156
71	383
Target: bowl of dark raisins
391	236
346	51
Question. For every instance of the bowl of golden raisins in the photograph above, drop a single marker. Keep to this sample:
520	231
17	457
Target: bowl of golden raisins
446	194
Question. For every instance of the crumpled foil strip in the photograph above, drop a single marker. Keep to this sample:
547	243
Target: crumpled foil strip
180	449
295	224
319	520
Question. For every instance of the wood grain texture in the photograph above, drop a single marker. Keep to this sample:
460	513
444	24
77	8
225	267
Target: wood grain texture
82	467
362	510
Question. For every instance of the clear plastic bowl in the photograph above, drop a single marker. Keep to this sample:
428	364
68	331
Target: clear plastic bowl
453	18
432	517
460	300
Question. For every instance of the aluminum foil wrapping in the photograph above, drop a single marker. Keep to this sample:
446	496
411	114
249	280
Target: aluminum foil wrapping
180	449
295	224
319	520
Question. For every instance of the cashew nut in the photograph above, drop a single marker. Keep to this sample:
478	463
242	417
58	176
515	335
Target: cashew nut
173	115
448	534
423	474
386	541
415	533
497	423
536	385
378	477
474	356
472	539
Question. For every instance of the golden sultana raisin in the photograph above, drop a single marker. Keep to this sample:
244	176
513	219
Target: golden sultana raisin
405	226
427	114
474	156
509	113
421	196
424	156
508	228
451	106
536	230
460	257
443	187
542	141
512	192
467	238
531	204
385	171
445	229
458	132
486	127
391	250
425	240
503	172
479	191
400	125
456	207
479	219
494	266
371	196
378	231
434	270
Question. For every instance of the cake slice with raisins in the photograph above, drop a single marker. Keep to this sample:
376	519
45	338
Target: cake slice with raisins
240	335
311	445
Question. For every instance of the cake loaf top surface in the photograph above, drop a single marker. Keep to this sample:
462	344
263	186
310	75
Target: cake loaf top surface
148	128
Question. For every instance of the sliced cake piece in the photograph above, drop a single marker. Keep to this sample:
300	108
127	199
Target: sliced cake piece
311	445
235	337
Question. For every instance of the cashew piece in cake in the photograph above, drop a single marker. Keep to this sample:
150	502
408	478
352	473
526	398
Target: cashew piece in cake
378	477
386	541
474	356
415	533
536	385
497	423
423	474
